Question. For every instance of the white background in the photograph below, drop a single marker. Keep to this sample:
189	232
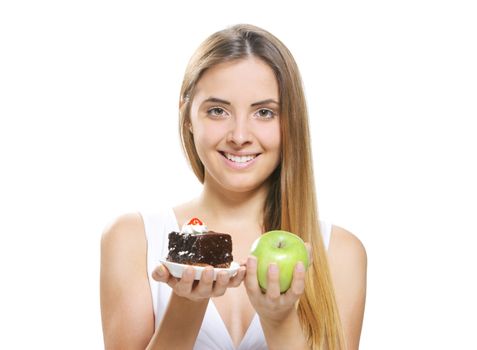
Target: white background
88	131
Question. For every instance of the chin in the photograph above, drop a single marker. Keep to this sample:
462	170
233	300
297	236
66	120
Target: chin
242	186
237	183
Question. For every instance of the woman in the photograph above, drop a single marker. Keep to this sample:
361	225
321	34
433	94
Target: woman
244	129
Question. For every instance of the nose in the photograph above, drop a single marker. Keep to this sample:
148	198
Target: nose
239	133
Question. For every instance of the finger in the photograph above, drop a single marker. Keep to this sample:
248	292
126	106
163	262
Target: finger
297	287
204	287
184	286
221	284
172	282
309	250
238	278
251	282
273	282
160	273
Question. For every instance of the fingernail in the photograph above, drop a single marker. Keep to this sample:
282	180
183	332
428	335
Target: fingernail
300	267
251	262
209	273
160	271
273	268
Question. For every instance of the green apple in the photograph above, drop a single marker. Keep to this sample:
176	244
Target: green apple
282	248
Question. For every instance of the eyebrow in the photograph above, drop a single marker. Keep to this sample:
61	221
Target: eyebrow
264	102
219	100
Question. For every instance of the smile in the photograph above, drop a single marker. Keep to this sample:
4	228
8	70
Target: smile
239	159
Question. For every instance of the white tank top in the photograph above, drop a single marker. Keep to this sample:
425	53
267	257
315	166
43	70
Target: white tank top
213	334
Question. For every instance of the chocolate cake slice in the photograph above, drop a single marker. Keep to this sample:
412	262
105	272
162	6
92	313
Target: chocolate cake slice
208	248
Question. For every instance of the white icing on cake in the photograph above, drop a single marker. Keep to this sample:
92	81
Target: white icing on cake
194	229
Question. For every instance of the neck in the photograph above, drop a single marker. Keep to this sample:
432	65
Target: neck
237	207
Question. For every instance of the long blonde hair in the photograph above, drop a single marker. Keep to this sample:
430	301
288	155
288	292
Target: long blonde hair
291	203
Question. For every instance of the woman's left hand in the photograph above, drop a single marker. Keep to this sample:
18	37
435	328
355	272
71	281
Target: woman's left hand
271	305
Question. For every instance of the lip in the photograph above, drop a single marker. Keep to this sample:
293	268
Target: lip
240	154
239	166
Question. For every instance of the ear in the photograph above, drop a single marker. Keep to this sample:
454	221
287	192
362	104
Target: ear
183	101
189	126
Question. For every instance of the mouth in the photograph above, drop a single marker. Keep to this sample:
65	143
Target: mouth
240	159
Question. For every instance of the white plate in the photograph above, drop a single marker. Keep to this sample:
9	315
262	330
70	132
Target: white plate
176	269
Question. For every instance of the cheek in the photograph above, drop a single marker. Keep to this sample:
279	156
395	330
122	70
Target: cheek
270	137
206	137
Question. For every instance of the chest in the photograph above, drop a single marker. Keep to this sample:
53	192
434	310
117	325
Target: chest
236	312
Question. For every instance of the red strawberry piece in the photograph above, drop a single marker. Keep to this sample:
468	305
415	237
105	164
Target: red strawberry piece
195	221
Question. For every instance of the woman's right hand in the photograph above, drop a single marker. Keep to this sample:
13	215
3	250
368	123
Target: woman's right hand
206	287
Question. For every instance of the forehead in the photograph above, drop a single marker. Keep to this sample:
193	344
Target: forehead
246	80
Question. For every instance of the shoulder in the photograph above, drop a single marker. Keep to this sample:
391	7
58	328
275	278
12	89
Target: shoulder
127	228
346	247
347	258
348	265
123	249
123	224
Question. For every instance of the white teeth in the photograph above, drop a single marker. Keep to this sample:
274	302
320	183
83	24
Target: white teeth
239	159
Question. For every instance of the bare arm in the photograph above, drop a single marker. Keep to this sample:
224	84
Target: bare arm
286	334
180	325
348	265
277	312
126	304
185	312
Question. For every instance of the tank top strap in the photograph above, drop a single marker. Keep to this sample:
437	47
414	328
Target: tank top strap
157	226
325	229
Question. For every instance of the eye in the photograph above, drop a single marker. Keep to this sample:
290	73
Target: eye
265	113
216	112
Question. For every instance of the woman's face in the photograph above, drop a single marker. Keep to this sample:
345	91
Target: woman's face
236	125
